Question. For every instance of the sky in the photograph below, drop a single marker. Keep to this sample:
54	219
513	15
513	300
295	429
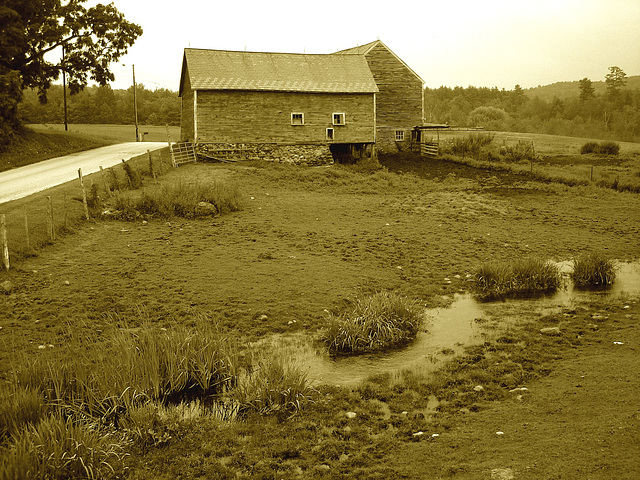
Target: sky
489	43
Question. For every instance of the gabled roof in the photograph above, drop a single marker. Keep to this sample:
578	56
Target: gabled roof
366	48
284	72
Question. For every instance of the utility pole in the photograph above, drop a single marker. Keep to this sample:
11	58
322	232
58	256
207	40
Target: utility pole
135	103
64	90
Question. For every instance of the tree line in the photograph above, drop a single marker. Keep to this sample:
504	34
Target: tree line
612	115
103	105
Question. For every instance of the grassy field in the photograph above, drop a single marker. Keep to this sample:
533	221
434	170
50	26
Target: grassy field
305	243
116	133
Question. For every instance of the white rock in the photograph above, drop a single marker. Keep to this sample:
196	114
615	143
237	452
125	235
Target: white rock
350	415
478	388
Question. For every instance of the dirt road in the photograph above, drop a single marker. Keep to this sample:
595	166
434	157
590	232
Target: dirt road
23	181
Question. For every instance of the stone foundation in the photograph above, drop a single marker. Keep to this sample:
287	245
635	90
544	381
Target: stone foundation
293	154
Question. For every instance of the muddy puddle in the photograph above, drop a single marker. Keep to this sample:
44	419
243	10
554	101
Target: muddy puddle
446	331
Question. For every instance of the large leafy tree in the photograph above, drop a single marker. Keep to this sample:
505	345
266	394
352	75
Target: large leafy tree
92	38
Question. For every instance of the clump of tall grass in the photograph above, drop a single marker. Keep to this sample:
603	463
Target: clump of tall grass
19	407
470	145
523	277
602	148
181	199
382	321
593	269
57	448
273	386
129	368
519	151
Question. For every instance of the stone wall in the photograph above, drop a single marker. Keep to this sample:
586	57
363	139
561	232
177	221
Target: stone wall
298	154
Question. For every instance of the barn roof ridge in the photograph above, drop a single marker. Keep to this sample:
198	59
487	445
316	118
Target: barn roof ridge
298	72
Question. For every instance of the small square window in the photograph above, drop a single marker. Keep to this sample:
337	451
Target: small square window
329	133
297	119
338	118
399	135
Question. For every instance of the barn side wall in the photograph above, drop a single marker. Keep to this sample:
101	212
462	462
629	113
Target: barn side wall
186	114
399	103
230	117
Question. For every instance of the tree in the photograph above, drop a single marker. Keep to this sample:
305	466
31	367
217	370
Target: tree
586	90
92	38
615	79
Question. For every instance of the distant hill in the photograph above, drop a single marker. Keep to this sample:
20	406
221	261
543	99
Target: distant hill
564	90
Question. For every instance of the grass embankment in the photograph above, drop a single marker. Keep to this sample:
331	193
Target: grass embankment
34	146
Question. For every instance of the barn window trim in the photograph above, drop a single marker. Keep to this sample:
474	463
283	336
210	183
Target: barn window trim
339	119
330	134
399	135
297	118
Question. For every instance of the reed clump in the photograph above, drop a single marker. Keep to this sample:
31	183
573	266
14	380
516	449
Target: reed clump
592	270
382	321
527	276
274	386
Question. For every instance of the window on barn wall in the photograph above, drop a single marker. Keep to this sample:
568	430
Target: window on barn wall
399	135
338	119
329	133
297	119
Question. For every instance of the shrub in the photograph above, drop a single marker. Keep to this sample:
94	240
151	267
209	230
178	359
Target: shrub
382	321
523	277
276	386
519	151
61	449
602	148
592	270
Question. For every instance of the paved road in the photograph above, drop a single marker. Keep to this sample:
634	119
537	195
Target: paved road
23	181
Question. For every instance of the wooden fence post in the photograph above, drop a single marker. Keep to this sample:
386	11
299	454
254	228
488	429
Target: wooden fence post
52	227
104	180
124	167
26	229
115	178
3	242
84	195
151	170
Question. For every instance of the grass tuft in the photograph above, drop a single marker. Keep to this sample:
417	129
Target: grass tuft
181	200
593	269
56	448
523	277
382	321
276	386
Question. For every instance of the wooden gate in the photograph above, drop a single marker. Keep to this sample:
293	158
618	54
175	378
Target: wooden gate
183	152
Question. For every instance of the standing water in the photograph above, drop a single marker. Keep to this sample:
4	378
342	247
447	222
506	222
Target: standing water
445	330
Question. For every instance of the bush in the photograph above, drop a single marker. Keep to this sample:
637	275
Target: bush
523	277
592	270
382	321
602	148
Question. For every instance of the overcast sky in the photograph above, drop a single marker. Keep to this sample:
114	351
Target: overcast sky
489	43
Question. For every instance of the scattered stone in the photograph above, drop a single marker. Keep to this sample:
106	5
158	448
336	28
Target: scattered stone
204	209
598	317
322	468
263	318
67	283
499	433
478	388
502	474
550	331
434	435
519	397
6	287
418	434
519	389
618	343
343	458
350	415
626	306
405	413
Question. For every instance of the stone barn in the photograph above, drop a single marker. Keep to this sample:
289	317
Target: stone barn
400	100
287	107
